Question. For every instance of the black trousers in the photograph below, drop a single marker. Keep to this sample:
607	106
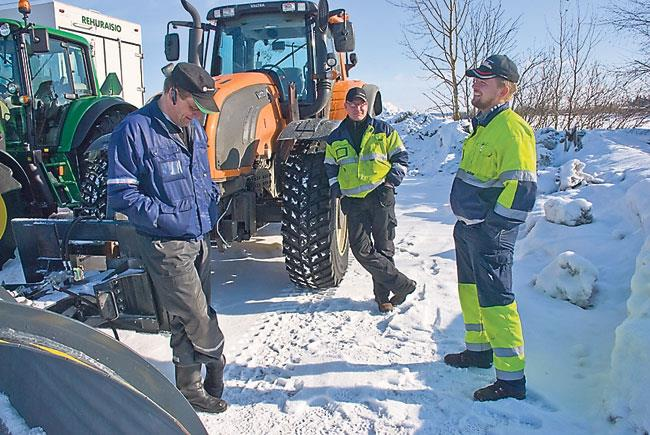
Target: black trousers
180	271
371	229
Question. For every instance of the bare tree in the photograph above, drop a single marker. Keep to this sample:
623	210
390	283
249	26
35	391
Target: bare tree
433	38
488	31
634	16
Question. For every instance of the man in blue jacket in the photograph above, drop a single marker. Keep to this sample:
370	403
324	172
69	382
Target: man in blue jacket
365	159
159	176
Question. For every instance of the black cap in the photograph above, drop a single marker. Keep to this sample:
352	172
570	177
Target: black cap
195	80
355	93
497	65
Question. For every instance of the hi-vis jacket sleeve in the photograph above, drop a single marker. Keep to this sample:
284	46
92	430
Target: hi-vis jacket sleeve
518	173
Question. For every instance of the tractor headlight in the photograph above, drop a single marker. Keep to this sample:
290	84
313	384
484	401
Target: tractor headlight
5	30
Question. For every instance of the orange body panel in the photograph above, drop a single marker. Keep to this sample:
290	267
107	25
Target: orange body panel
269	125
339	90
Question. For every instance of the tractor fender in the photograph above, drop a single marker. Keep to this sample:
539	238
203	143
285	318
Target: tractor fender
311	129
99	144
375	105
18	173
93	113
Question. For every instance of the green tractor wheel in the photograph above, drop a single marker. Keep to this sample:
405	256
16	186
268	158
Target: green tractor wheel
94	166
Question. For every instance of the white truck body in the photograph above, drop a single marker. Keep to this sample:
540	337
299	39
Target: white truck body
116	44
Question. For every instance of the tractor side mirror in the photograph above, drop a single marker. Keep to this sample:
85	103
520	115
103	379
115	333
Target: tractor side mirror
111	85
172	47
40	40
343	35
353	60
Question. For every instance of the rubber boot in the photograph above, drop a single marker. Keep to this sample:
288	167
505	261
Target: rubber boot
214	377
188	381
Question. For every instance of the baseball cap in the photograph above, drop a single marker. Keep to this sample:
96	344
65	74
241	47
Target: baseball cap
355	93
195	80
497	65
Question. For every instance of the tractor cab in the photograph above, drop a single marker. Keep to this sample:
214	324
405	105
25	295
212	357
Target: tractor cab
40	81
268	39
292	42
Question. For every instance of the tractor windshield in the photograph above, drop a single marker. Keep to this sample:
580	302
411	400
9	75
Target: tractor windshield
275	42
58	77
12	120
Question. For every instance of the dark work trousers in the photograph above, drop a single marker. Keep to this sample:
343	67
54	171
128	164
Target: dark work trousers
180	271
371	230
484	257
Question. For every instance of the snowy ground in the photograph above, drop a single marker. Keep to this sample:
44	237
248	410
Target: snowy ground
328	362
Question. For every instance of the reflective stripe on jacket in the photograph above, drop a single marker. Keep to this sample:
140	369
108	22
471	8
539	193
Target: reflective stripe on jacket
153	179
497	178
382	157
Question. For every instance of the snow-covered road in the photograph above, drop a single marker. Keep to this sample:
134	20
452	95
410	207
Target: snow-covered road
328	362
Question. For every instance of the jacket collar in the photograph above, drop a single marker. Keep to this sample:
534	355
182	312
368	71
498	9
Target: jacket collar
484	118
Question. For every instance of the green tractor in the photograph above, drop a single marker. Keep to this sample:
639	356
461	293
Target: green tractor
55	120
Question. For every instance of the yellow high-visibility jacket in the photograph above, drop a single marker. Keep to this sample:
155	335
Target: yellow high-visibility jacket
497	178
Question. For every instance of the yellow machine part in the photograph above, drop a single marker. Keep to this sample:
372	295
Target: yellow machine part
4	217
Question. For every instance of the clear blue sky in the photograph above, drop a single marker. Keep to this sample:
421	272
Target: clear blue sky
378	29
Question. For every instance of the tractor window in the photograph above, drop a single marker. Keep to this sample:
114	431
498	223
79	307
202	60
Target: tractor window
79	75
9	68
52	90
12	116
274	42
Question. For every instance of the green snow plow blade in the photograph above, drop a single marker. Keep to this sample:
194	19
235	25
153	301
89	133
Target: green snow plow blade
66	377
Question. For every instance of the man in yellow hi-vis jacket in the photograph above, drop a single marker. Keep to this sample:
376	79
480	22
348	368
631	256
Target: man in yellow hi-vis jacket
492	193
365	159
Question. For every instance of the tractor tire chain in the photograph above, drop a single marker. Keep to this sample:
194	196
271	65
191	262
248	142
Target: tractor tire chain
306	230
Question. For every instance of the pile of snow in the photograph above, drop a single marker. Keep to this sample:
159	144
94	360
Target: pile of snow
11	422
571	212
434	143
569	277
630	377
572	174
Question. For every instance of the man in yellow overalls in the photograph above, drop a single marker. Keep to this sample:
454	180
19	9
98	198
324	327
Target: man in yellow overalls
492	193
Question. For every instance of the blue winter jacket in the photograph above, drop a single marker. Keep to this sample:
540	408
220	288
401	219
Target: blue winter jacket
152	178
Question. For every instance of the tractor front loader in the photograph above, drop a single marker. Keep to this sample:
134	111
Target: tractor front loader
281	70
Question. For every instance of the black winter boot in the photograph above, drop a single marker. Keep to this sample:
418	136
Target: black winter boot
214	377
470	358
188	381
502	390
400	297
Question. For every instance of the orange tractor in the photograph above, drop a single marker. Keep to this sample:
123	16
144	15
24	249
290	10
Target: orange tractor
281	72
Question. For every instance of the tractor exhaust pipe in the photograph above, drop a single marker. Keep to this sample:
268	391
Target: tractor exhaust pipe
323	84
195	48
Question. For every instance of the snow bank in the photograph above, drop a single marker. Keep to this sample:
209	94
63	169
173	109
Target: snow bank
629	378
11	422
570	212
572	175
570	277
434	144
